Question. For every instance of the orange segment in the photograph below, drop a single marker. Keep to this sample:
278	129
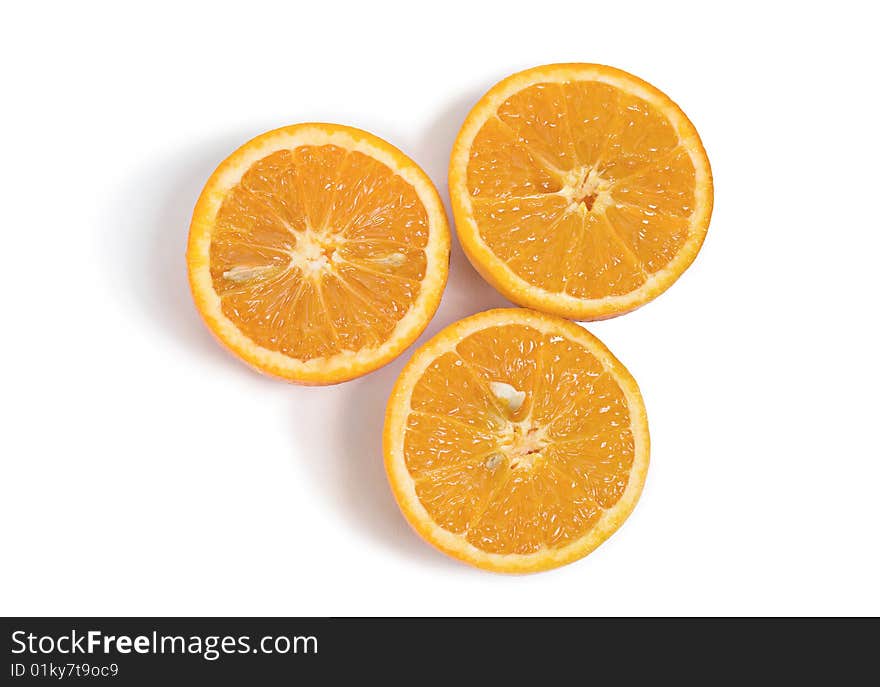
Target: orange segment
515	441
541	509
579	190
449	388
591	114
601	263
318	252
532	234
500	167
538	118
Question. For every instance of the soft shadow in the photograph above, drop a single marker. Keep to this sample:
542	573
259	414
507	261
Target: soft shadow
145	255
466	292
361	482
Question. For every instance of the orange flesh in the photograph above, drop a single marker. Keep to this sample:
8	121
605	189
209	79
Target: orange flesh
581	188
516	480
319	250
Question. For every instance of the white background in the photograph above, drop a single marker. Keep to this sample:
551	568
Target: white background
145	471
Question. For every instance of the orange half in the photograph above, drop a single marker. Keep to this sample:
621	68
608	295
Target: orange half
318	252
515	441
579	190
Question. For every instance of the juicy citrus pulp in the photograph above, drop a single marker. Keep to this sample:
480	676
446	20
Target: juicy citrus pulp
318	252
515	441
580	190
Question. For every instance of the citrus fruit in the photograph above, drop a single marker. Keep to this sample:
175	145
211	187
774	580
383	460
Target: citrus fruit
515	441
579	190
318	252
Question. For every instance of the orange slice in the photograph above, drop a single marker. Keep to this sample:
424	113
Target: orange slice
318	252
579	190
515	441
